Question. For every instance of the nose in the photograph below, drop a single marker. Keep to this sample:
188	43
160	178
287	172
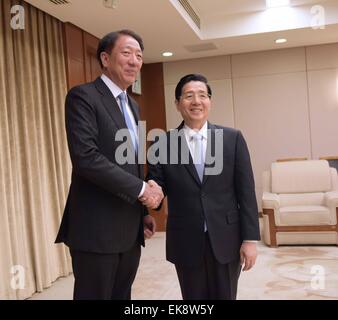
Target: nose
196	99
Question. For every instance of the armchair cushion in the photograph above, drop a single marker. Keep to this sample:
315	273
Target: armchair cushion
306	199
304	216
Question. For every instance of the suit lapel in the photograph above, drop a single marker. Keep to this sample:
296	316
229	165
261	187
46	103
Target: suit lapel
134	110
136	115
110	104
210	148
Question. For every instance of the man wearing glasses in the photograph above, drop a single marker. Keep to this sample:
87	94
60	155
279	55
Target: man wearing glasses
212	225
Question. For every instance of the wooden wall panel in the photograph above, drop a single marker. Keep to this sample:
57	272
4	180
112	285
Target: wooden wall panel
74	50
76	73
152	80
92	66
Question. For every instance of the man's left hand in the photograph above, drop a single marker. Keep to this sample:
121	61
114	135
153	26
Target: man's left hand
248	255
149	226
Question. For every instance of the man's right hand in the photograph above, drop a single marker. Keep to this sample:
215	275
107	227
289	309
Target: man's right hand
152	195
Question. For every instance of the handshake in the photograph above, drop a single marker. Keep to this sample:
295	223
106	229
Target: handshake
152	195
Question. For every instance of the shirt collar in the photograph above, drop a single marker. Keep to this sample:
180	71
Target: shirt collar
203	131
114	89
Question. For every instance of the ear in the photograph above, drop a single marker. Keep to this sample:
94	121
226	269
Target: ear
104	59
177	105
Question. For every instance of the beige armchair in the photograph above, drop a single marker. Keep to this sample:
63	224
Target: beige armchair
300	203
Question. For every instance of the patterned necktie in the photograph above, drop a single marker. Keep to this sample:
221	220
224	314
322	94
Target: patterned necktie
123	103
198	155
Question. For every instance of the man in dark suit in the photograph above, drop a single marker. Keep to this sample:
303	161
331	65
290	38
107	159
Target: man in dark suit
212	225
104	221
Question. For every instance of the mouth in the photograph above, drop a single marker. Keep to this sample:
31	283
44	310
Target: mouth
196	110
131	73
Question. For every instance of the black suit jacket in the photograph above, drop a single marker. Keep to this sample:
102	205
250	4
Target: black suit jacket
225	201
102	213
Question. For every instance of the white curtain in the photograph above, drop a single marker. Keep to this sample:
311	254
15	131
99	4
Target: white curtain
34	163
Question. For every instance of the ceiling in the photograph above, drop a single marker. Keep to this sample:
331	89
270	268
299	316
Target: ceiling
238	6
226	26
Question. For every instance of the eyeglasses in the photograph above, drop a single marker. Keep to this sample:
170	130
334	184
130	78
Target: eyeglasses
190	95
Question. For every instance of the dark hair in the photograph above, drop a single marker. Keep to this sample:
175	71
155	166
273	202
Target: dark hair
107	43
188	78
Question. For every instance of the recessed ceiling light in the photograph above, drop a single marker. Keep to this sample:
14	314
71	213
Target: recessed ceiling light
282	40
277	3
167	54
